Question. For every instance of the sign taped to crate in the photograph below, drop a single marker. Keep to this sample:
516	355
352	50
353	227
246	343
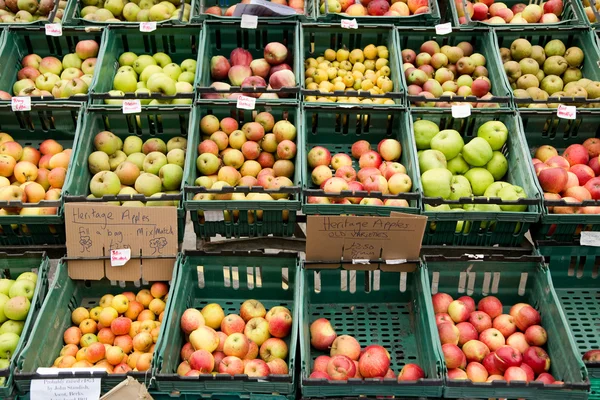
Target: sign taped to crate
334	238
93	230
56	389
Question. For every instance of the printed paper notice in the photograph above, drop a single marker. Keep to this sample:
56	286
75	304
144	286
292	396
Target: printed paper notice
21	103
246	103
53	29
119	257
60	389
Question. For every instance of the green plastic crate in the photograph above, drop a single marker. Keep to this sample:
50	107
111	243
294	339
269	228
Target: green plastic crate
570	17
178	43
46	340
484	228
430	18
16	43
243	216
316	38
229	280
220	38
513	280
151	122
336	129
581	37
580	7
11	266
483	42
391	309
199	8
72	17
30	128
544	127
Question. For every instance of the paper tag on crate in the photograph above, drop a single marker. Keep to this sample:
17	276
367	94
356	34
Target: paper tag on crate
395	262
132	106
443	29
566	112
360	261
53	29
57	389
349	24
590	239
249	21
461	111
119	257
213	216
246	103
148	26
21	103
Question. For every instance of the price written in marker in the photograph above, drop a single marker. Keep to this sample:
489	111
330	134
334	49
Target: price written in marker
119	257
349	24
246	103
443	29
566	112
249	21
147	26
53	29
461	111
132	106
21	103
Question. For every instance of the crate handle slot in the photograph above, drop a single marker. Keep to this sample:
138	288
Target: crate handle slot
317	281
250	277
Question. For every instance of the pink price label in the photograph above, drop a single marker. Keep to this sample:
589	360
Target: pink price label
119	257
349	24
53	29
21	103
246	103
147	26
132	106
566	112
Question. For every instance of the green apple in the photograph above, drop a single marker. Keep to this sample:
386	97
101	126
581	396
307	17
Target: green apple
460	187
498	166
441	207
424	131
4	363
333	6
127	58
171	176
3	300
128	68
154	161
104	15
184	87
12	326
137	159
105	183
71	61
458	165
430	159
17	308
46	81
144	101
125	82
480	179
149	71
130	12
114	6
159	203
189	65
477	152
176	157
161	83
495	133
148	184
172	71
132	144
436	183
146	5
115	102
512	193
162	59
489	208
448	142
8	344
494	188
186	77
23	287
141	85
142	62
5	285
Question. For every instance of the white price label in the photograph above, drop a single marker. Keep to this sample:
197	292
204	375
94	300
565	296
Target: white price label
249	21
349	23
132	106
21	103
246	103
590	239
394	262
461	111
360	261
75	388
443	29
213	216
148	26
53	29
566	112
119	257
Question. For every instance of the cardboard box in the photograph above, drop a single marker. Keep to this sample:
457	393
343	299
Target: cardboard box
148	234
364	243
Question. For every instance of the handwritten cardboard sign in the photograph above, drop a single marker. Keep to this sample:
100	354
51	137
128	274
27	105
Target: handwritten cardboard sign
93	230
332	238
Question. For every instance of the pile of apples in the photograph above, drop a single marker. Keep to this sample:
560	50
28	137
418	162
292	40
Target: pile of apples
271	72
487	345
347	360
26	11
235	348
548	72
379	172
297	5
587	8
259	153
572	177
118	335
446	71
131	167
147	74
499	13
132	11
451	169
30	175
360	69
49	76
15	303
375	7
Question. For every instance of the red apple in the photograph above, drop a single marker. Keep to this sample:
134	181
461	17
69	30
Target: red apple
458	311
340	368
505	324
491	306
592	145
578	192
553	180
411	372
528	371
490	364
515	374
477	372
576	154
374	362
558	162
537	359
443	317
546	378
448	333
527	316
517	341
441	301
593	186
466	332
320	363
453	356
583	172
475	350
594	164
507	357
480	320
469	302
457	374
492	338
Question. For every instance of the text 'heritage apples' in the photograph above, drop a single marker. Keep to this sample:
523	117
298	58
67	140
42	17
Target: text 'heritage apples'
249	343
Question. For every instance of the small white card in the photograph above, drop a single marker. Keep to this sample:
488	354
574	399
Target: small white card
21	103
395	262
119	257
132	106
213	216
246	103
148	26
53	29
360	261
590	239
349	23
249	21
461	111
566	112
59	389
443	29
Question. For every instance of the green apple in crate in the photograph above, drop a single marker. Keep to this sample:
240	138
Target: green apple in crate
134	11
250	342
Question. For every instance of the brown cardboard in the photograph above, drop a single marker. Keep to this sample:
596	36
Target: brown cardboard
92	230
333	238
129	389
